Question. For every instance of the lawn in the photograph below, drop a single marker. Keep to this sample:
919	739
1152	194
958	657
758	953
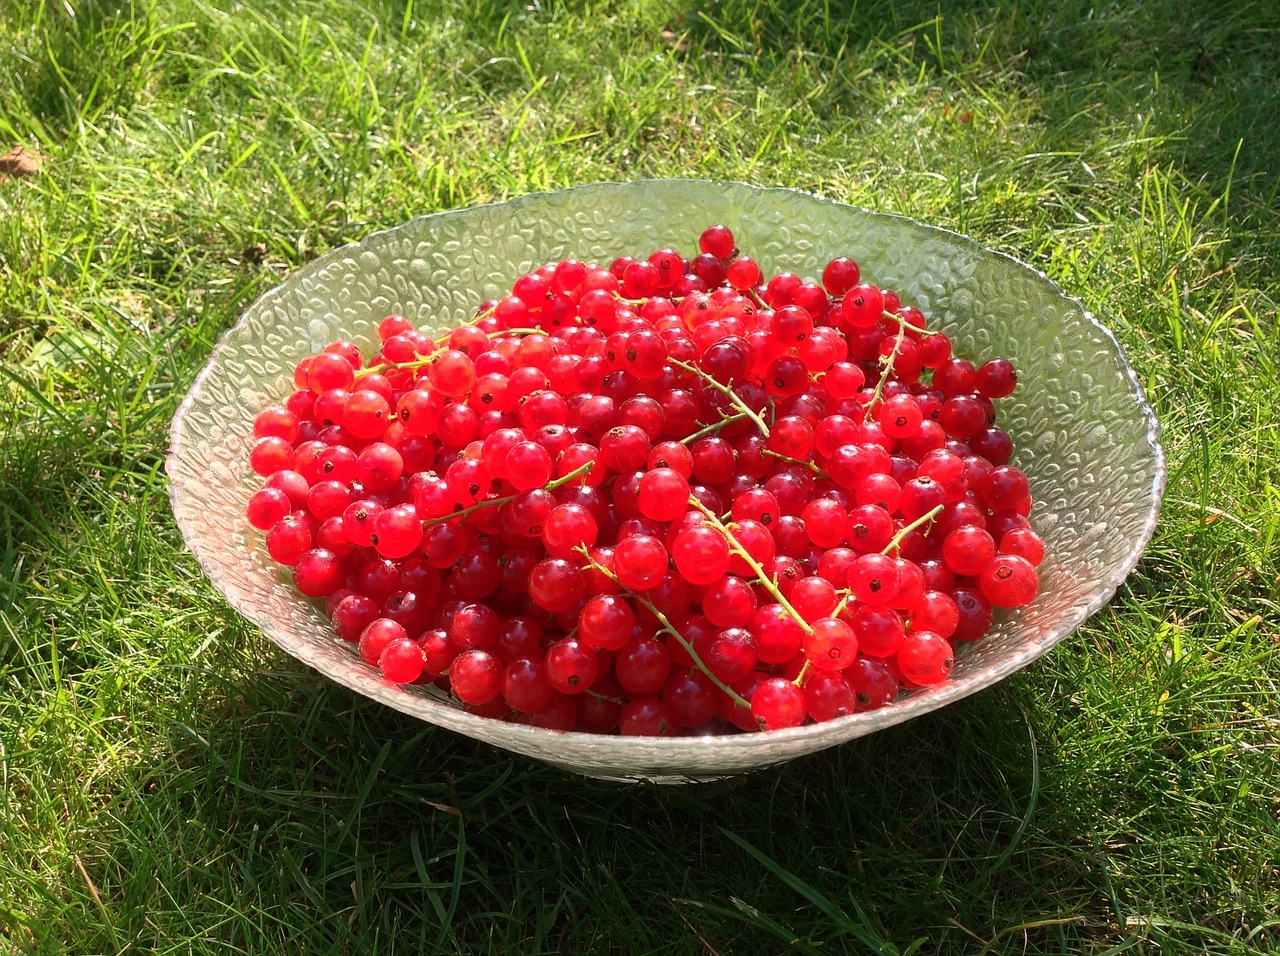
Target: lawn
173	783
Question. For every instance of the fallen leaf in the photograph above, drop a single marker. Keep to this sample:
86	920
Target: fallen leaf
965	116
19	161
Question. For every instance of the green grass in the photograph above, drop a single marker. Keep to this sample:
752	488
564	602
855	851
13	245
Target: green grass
170	782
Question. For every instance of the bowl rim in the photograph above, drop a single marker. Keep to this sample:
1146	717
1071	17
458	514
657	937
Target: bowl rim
683	750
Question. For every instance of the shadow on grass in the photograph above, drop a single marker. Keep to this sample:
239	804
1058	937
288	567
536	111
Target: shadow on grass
287	802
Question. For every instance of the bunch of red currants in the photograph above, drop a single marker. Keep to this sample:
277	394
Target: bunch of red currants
662	497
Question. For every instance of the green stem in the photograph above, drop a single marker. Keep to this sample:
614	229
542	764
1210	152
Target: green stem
668	627
888	370
925	518
582	469
795	461
902	324
711	429
438	351
736	546
847	593
727	391
613	700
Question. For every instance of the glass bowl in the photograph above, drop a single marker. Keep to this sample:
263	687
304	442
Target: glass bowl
1083	432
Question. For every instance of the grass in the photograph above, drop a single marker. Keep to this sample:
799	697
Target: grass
172	783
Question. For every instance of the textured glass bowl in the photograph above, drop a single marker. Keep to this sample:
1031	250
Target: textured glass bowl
1084	434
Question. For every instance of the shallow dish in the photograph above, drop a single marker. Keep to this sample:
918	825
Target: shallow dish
1084	434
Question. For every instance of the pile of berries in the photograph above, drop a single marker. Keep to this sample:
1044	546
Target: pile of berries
662	497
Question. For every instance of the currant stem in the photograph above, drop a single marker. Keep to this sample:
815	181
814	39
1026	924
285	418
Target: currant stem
582	469
736	546
845	595
888	370
440	350
902	324
795	461
713	428
727	391
925	518
666	626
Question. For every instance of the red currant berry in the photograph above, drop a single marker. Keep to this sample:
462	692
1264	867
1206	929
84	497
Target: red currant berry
691	697
827	695
289	539
664	494
318	573
1009	581
925	658
476	676
1023	542
743	273
729	601
266	507
571	666
832	645
840	275
778	703
377	635
401	661
605	621
996	378
396	532
525	686
862	307
874	579
968	550
873	682
778	635
556	585
642	666
647	717
975	614
640	562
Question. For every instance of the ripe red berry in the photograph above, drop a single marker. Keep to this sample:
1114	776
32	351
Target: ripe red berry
647	717
743	273
996	378
664	494
642	666
1009	581
640	562
556	585
572	666
924	658
476	676
840	275
778	703
717	241
401	661
832	645
605	621
525	686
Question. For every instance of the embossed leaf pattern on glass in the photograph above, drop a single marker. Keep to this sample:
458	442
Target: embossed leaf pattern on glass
1083	433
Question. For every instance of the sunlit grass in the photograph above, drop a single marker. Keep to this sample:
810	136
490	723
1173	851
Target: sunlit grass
173	783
